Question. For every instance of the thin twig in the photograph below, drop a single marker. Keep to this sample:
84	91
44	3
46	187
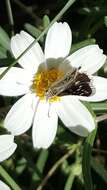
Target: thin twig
101	118
99	150
10	16
56	165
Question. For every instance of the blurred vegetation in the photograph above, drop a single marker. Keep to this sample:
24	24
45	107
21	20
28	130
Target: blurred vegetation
60	167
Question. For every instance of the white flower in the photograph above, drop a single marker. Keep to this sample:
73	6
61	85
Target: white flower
7	146
34	79
3	186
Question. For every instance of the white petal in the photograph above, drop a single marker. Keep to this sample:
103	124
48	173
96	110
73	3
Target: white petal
15	82
100	85
3	186
75	115
7	146
33	57
45	126
58	40
89	58
19	118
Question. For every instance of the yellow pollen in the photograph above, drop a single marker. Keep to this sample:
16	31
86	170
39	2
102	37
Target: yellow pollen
43	80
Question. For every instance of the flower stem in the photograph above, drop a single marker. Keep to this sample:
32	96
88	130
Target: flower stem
57	17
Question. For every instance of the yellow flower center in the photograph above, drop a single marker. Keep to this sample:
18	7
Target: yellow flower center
43	80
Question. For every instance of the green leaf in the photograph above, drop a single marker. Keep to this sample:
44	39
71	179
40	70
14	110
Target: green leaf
86	161
46	21
75	170
69	182
40	164
9	179
6	61
33	31
82	44
4	39
100	170
105	20
100	107
65	168
3	53
94	11
21	165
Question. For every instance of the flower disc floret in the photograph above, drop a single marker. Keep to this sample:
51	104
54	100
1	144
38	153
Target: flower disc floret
43	80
